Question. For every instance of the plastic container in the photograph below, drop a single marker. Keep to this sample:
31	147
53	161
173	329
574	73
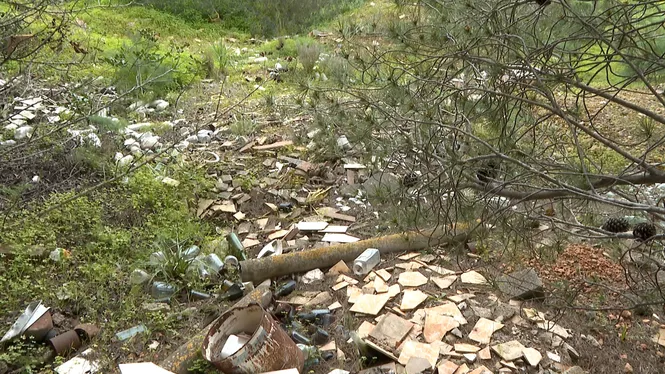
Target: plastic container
366	261
139	276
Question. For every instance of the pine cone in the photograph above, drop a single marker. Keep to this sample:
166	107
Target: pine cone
616	225
644	231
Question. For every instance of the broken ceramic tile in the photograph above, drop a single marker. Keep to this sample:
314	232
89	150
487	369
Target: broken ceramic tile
461	297
353	293
415	349
339	238
409	256
334	306
335	229
347	279
483	330
384	274
339	286
481	370
330	346
437	325
391	330
466	348
312	226
380	285
472	277
249	243
411	299
447	367
554	328
409	265
450	309
509	351
339	268
394	290
332	213
320	299
278	234
302	299
553	356
660	337
532	356
365	329
412	279
142	368
370	304
470	357
485	354
441	270
445	282
463	369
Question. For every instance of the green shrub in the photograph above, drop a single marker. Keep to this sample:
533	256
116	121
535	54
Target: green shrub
308	55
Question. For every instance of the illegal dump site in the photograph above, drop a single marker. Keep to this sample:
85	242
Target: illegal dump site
332	187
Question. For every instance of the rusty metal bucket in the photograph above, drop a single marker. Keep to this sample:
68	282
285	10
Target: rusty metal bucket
269	348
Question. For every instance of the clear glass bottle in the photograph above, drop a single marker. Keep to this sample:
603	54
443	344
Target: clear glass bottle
366	261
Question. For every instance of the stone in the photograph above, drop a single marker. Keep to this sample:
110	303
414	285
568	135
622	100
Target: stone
391	330
509	351
485	354
412	279
553	356
628	368
417	365
313	276
483	330
574	355
660	337
554	328
411	299
466	348
482	312
473	277
370	304
447	367
522	285
532	356
445	282
437	325
414	349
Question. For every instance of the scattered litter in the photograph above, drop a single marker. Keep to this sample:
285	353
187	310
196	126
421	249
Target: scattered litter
370	304
32	316
553	356
339	238
384	274
473	277
79	364
339	268
335	229
412	279
142	368
483	330
466	348
312	226
415	349
409	256
445	282
233	344
532	356
129	333
366	261
391	330
334	306
509	351
437	325
411	299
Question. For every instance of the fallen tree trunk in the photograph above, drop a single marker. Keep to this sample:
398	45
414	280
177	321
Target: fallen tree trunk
257	270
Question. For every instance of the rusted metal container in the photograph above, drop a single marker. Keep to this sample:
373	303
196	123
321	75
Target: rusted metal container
269	348
41	327
65	343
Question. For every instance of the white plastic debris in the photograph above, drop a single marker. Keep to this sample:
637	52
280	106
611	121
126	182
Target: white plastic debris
125	160
170	182
23	132
149	142
160	105
203	136
142	368
312	276
343	142
260	60
79	364
35	179
233	345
